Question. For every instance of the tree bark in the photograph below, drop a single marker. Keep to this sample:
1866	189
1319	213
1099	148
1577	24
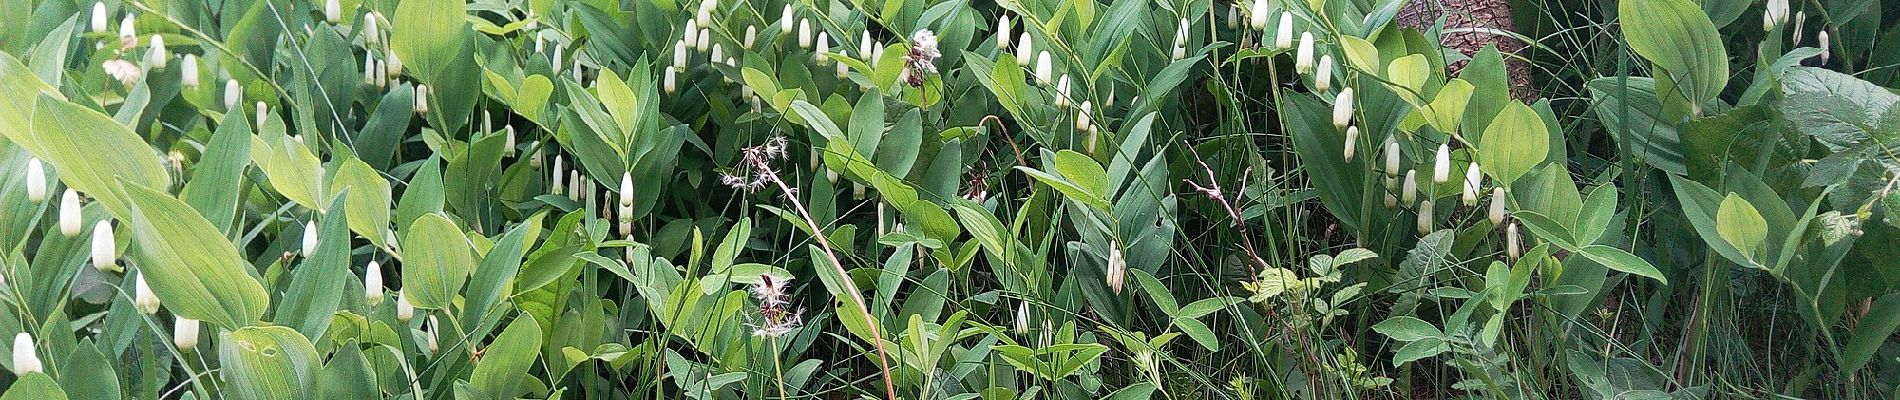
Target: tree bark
1466	22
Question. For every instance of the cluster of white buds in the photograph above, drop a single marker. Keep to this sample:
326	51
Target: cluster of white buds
1441	167
69	213
185	334
1117	267
373	283
35	180
1342	108
309	239
188	72
26	357
105	248
143	299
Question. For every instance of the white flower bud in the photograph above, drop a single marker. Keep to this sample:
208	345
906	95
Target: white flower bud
1257	15
185	334
309	238
626	189
1002	32
263	115
232	94
1342	108
751	36
1391	157
804	33
1117	267
155	53
1825	49
99	17
1303	58
373	283
1512	242
1025	46
1323	78
864	46
370	75
1179	52
127	30
393	63
430	331
824	46
785	20
1473	180
692	31
718	53
1425	217
35	180
69	213
372	31
1083	117
1441	167
670	80
843	70
1045	69
1352	141
1022	318
143	299
404	310
422	99
857	191
1800	26
1062	91
1410	192
705	14
705	40
679	54
105	249
1283	38
188	74
332	12
1390	200
1496	213
560	185
1768	22
575	190
26	357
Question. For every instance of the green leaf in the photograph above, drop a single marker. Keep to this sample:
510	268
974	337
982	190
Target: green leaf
1738	223
350	374
294	171
1406	328
1620	260
436	262
317	286
88	373
508	359
1547	229
428	34
1420	349
34	386
213	188
1516	141
368	206
90	150
1199	332
1872	331
189	264
1157	291
268	362
1681	41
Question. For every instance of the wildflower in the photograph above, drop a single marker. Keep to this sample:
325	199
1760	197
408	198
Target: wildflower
1342	108
842	70
127	32
670	80
309	238
1425	217
756	164
393	62
1022	318
864	46
1025	46
1283	39
1233	16
804	33
922	60
1391	157
99	17
124	71
1352	141
1496	213
692	31
143	299
1410	192
626	189
778	319
785	19
1083	118
1180	52
1117	267
105	250
824	46
1044	68
706	8
373	283
679	54
1441	169
560	187
1303	58
332	12
232	94
263	112
69	213
575	190
1257	15
404	310
1473	178
1825	49
188	72
26	358
718	53
751	36
430	331
705	39
1062	91
1800	26
185	334
372	33
1002	31
35	180
1323	80
422	99
1511	241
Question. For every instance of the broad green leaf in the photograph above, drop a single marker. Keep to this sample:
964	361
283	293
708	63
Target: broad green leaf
1873	330
88	374
1620	260
1741	225
436	260
268	362
507	359
349	375
368	206
1516	141
1410	73
34	386
189	264
1682	42
213	188
1420	349
317	286
428	34
1407	328
294	171
90	150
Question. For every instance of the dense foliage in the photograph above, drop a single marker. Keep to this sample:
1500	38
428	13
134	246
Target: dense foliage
947	199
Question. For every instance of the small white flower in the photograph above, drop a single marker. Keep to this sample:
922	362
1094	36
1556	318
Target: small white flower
785	20
393	62
692	31
1083	118
718	53
143	299
554	62
705	13
626	189
843	70
1410	192
369	71
679	54
575	190
105	249
1473	180
1441	168
1283	38
188	73
1002	31
35	180
1768	22
560	186
1233	16
705	39
1390	200
26	357
372	31
1257	15
430	331
864	46
1512	241
1425	217
124	71
1497	212
1025	47
1062	91
373	283
1323	78
99	17
1800	26
1391	157
751	36
309	238
1045	69
263	115
1022	318
404	310
422	99
232	94
185	334
1825	49
1178	53
1342	108
1117	267
670	80
332	12
69	213
1303	58
824	46
1352	141
128	31
804	33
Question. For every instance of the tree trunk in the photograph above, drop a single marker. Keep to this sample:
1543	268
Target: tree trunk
1471	18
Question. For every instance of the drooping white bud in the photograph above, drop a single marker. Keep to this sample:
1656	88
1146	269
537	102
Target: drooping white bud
35	180
1441	167
555	61
143	299
560	185
422	99
1497	212
1002	31
404	310
575	190
69	213
1323	77
1473	180
626	189
824	46
392	63
864	47
1342	108
1410	192
105	249
1022	318
99	17
785	20
1825	49
263	115
751	36
1257	15
1083	118
1283	37
185	334
26	357
718	53
127	29
705	13
1425	217
1390	200
692	31
1117	267
1352	141
705	40
1025	46
332	12
1045	69
373	31
188	73
843	70
1062	91
1303	58
430	331
1179	52
373	283
155	54
309	238
1391	157
804	33
1512	241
